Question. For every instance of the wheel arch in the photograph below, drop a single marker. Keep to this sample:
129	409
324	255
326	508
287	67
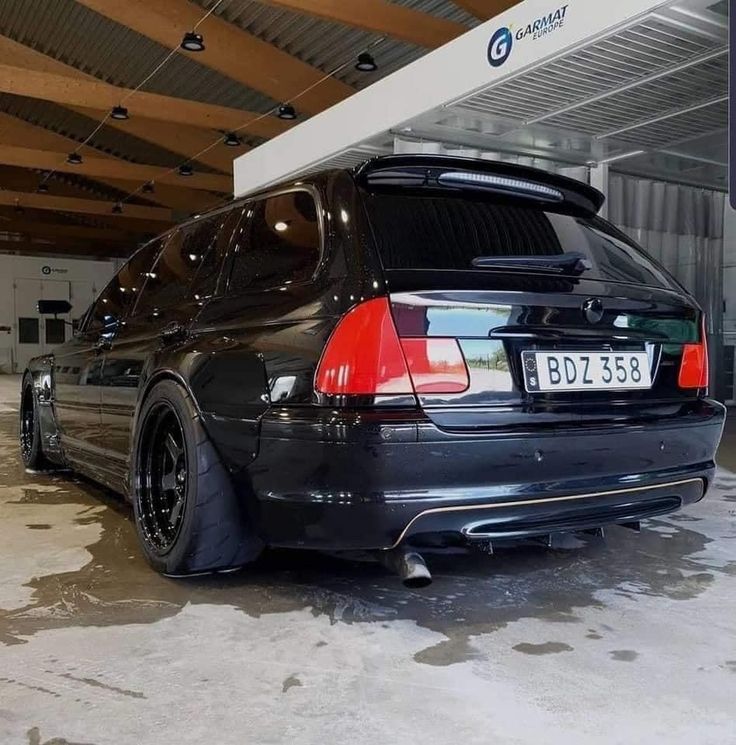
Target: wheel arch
157	376
164	374
233	427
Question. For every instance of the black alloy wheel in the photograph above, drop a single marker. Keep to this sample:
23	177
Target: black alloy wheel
163	478
188	515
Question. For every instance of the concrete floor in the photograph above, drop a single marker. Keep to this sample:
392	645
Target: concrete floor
627	640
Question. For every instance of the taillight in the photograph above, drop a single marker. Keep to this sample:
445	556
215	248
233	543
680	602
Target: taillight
694	365
364	356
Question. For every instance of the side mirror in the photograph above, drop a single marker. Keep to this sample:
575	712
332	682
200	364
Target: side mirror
53	307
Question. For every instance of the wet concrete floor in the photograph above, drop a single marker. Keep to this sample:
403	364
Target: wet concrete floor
631	639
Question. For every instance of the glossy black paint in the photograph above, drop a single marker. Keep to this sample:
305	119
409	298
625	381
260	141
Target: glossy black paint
367	472
357	479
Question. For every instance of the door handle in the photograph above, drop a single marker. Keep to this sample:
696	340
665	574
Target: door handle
172	331
102	344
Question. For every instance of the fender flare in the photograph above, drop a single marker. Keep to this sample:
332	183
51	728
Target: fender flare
165	373
40	371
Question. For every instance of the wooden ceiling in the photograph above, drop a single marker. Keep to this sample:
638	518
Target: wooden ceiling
57	88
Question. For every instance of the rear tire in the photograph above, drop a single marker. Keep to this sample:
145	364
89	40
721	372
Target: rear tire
29	435
188	517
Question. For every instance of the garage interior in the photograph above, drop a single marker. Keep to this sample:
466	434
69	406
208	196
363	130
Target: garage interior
110	132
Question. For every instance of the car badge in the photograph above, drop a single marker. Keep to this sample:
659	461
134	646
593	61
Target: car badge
593	310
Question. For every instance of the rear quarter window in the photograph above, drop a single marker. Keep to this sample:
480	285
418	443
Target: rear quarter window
279	243
417	232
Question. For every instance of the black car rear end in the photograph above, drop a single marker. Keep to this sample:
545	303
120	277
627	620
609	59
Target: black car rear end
519	368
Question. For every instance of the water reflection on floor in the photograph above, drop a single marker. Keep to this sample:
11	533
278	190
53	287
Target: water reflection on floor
310	644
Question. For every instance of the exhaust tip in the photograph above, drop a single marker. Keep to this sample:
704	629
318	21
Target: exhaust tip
417	583
409	565
414	571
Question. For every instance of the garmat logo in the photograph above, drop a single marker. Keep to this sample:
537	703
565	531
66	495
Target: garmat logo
46	270
502	41
500	46
544	25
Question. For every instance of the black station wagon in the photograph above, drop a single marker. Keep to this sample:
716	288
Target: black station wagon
420	352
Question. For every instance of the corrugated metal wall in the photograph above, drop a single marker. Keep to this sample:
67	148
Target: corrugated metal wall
681	227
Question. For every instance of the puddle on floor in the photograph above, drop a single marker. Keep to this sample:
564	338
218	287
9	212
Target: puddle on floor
545	648
472	594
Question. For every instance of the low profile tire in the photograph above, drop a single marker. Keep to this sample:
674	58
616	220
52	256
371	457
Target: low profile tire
31	449
187	514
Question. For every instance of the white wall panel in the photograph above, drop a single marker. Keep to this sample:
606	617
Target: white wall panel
84	278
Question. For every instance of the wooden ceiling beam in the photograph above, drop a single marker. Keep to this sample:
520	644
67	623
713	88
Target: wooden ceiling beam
68	91
179	139
228	49
56	231
380	17
65	243
86	206
134	174
24	182
95	250
19	131
133	229
485	9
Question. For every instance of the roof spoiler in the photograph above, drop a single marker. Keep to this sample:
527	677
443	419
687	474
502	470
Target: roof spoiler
433	171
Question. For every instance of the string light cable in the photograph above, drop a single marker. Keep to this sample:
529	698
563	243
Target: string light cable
74	156
260	117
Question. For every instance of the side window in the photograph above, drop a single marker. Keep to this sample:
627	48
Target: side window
119	296
205	281
282	244
170	280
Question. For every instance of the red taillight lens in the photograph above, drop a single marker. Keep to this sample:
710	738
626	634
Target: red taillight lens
694	365
436	365
364	356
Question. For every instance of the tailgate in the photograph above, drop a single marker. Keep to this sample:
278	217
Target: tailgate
498	320
515	265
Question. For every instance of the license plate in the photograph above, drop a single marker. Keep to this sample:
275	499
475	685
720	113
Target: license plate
586	371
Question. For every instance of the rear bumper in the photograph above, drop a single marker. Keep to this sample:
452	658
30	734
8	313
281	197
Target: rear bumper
368	480
543	515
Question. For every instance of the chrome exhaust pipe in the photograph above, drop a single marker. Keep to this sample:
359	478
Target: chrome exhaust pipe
408	564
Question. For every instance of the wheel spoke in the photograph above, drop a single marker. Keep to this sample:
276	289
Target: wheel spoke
176	509
168	481
173	448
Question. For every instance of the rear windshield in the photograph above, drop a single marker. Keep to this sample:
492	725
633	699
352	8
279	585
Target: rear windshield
417	232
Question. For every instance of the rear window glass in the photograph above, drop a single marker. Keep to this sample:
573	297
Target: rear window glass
414	232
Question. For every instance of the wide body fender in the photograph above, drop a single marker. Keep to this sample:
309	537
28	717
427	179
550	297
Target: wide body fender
41	373
229	390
